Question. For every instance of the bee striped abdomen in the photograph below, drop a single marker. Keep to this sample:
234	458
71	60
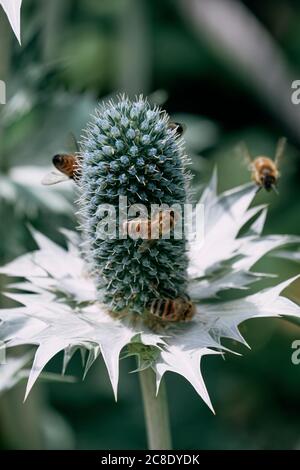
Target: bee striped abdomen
161	308
175	310
155	307
168	310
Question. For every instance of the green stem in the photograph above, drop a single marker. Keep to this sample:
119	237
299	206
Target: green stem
134	64
156	412
54	12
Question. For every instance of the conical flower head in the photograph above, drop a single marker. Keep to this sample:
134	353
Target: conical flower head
133	166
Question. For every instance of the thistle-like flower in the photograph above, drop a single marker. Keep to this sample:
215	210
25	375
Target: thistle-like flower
61	307
131	158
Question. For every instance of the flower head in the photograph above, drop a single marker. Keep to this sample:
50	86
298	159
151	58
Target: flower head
129	151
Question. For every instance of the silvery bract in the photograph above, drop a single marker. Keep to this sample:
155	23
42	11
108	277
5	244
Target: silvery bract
21	188
60	311
13	10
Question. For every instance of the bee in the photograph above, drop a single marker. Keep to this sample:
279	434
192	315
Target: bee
180	309
180	128
141	227
164	222
265	172
68	166
150	230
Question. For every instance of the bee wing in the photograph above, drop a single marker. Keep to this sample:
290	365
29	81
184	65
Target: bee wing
54	177
280	150
73	142
245	154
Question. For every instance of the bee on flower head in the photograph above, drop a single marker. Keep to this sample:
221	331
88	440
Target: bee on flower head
67	167
151	229
265	170
180	309
180	128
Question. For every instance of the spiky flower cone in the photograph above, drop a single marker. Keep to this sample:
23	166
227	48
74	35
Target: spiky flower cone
130	151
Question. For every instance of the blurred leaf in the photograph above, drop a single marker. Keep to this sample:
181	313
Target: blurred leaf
11	372
200	133
23	190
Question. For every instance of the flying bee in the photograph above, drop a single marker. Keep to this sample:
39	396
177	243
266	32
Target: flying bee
68	166
150	230
180	309
180	128
265	172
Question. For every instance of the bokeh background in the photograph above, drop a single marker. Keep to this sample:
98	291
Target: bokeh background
224	68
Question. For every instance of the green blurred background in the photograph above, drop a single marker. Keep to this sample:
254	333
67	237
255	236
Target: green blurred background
225	69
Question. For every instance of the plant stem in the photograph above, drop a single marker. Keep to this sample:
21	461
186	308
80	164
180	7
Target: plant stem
54	20
134	58
156	412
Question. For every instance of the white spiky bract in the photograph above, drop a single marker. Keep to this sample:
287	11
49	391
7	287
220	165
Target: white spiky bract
12	9
60	312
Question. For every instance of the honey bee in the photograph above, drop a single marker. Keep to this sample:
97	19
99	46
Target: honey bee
141	227
264	170
180	128
180	309
163	222
68	166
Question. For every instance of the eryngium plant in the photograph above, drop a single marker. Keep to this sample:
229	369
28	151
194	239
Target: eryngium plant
60	307
130	150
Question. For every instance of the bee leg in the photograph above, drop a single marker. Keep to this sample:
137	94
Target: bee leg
76	175
258	189
275	189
